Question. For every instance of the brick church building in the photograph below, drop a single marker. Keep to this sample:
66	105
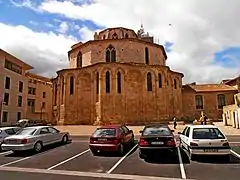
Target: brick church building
121	77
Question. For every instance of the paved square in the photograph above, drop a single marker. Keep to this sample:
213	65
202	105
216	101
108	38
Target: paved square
75	161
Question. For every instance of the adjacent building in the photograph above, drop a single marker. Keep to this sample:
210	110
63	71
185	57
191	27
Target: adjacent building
39	98
231	113
13	88
14	91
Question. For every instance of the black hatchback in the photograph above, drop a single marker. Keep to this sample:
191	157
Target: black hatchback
155	139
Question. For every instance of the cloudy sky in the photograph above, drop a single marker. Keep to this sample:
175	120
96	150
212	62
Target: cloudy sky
203	40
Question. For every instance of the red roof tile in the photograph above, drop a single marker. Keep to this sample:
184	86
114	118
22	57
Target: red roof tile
212	87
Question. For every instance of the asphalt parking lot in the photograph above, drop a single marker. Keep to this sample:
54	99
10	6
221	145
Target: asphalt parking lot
75	161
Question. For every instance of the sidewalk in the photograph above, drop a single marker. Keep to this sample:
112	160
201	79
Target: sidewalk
87	130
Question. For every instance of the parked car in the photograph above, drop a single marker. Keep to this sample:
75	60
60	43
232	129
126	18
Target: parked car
156	138
34	138
111	138
6	132
204	140
31	122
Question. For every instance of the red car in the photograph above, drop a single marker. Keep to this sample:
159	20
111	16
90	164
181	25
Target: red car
111	138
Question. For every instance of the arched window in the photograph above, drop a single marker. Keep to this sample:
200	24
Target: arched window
104	37
146	55
221	101
71	85
113	55
159	80
110	54
97	83
79	60
126	35
149	81
119	83
175	84
108	82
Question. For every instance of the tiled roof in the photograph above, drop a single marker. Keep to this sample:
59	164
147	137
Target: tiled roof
212	87
232	80
35	76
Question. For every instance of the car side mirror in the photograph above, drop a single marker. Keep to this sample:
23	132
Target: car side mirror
179	133
172	130
141	131
130	131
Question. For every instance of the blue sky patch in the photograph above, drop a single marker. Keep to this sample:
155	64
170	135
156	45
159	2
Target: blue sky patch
14	14
229	57
167	46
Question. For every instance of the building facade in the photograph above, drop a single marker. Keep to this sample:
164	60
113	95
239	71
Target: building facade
231	113
14	91
207	98
121	77
13	88
39	98
118	77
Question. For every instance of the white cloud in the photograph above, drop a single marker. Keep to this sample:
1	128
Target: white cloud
24	3
86	34
199	28
63	27
47	52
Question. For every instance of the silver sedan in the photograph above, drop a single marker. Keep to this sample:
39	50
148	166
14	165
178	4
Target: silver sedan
34	138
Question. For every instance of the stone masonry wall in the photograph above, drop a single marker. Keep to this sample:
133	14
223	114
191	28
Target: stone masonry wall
133	105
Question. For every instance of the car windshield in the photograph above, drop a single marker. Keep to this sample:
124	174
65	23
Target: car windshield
105	132
26	131
162	131
207	133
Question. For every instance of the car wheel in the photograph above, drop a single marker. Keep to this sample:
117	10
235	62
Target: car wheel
94	153
227	158
121	149
38	146
141	156
133	141
65	139
180	144
193	157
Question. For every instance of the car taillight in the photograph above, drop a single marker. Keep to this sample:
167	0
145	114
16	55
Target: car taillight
115	141
193	144
24	141
92	140
226	144
171	142
143	142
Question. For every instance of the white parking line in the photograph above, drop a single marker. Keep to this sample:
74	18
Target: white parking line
13	162
183	173
78	141
114	167
235	154
69	159
85	174
6	152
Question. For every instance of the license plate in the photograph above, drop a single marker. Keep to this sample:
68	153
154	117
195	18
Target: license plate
157	143
102	139
210	150
12	141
